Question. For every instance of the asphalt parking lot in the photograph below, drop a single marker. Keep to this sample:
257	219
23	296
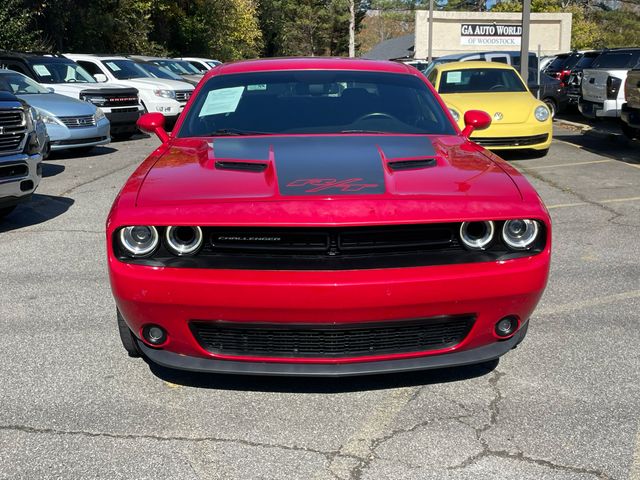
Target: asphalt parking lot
563	405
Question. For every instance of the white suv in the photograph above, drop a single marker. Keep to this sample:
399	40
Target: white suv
156	94
603	82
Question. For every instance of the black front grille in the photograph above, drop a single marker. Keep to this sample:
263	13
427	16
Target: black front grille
330	248
511	141
183	95
331	340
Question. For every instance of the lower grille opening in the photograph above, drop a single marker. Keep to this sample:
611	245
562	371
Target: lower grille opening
510	141
330	340
17	170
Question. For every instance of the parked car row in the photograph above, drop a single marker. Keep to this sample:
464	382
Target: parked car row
603	84
54	102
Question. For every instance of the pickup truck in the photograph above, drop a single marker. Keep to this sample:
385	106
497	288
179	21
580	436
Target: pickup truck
22	142
631	109
574	82
602	84
119	103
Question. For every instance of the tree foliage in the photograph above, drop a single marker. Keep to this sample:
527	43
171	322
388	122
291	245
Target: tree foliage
17	27
596	24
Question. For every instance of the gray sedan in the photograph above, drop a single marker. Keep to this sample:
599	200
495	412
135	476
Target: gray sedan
70	123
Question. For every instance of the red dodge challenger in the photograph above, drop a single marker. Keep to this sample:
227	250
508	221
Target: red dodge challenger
325	217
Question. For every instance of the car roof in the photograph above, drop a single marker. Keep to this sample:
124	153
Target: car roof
473	64
313	63
35	57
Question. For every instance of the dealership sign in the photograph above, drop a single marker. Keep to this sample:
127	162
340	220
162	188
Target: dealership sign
490	34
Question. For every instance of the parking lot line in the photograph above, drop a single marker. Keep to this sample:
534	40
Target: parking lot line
634	474
574	164
607	299
609	200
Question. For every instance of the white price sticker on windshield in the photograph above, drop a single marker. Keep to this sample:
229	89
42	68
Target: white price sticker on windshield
42	70
113	66
454	77
223	100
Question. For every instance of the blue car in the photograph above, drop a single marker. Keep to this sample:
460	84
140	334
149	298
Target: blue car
70	123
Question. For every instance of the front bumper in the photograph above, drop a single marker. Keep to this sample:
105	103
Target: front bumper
630	116
123	120
173	297
18	188
61	137
455	359
536	136
607	108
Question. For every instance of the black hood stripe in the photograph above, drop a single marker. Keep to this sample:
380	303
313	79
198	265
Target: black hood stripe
326	165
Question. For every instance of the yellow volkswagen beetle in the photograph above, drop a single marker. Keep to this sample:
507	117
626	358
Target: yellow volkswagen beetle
518	119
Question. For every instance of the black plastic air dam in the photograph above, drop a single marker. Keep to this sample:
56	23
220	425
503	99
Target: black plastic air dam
454	359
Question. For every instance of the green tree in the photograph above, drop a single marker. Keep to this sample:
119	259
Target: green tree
17	30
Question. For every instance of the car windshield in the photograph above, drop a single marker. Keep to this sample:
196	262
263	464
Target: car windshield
178	66
61	72
315	101
475	80
125	69
19	84
159	72
621	60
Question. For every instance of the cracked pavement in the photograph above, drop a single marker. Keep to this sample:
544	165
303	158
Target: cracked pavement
563	405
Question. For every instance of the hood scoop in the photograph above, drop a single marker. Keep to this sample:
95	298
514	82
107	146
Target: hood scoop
412	164
241	165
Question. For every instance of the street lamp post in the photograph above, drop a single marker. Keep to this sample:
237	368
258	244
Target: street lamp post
524	40
430	31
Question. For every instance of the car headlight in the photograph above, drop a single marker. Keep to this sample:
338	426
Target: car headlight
139	240
183	240
48	118
99	115
477	235
165	93
520	234
454	114
32	118
541	113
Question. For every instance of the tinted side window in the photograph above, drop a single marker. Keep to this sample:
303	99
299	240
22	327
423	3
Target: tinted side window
16	67
90	67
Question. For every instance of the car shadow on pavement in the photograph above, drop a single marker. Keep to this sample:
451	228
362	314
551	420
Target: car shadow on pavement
79	153
51	169
623	150
320	384
40	209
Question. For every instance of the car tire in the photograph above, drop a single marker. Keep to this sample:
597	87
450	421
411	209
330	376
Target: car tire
126	336
6	211
551	105
540	153
630	132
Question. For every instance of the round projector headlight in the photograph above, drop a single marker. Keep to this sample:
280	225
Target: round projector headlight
454	114
139	241
520	234
542	113
183	240
476	235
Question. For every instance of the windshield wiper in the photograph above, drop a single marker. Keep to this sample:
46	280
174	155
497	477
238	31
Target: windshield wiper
361	131
234	132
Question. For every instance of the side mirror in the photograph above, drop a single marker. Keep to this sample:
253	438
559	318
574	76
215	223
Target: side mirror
475	120
51	89
153	123
100	77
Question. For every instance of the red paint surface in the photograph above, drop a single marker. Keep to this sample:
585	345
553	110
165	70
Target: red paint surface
177	185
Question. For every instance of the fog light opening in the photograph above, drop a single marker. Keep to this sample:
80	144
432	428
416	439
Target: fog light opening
154	335
507	326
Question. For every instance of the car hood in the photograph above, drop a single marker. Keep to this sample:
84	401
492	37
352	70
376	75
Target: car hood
160	83
59	105
284	168
515	107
